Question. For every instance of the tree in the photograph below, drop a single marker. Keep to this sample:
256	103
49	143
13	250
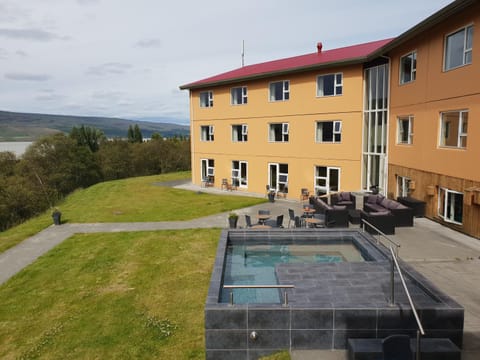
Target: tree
88	136
137	134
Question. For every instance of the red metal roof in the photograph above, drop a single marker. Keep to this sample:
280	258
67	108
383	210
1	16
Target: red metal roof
349	54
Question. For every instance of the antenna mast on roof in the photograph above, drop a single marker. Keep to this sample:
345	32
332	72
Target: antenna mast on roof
243	53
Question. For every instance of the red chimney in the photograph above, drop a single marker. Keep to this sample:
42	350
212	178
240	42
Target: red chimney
319	47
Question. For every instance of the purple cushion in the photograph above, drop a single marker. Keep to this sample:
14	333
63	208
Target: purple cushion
339	207
380	213
380	198
372	199
385	203
345	196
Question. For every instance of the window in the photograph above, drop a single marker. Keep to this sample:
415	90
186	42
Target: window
408	68
280	91
239	173
403	186
450	205
240	133
458	48
278	132
278	177
239	95
206	99
208	170
329	131
330	85
405	130
327	179
207	133
454	129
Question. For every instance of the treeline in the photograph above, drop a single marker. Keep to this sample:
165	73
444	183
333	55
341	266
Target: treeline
59	164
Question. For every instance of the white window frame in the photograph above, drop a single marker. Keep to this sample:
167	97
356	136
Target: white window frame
208	100
461	134
336	131
239	178
242	133
337	85
285	90
467	51
242	100
285	132
403	186
445	195
280	183
413	70
207	168
207	133
325	189
400	134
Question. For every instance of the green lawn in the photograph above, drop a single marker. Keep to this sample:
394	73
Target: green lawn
131	200
111	296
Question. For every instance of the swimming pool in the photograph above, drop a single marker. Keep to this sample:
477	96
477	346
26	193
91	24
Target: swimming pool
331	301
255	264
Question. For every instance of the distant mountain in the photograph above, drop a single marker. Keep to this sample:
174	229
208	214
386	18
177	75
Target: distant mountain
29	127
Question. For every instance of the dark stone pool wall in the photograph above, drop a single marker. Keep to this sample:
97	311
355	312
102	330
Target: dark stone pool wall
330	303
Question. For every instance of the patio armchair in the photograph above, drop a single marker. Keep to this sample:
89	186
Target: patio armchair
382	220
335	216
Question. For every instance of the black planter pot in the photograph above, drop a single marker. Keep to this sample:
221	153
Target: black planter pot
271	196
57	217
233	222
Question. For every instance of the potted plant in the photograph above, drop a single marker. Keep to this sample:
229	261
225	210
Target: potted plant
57	216
232	220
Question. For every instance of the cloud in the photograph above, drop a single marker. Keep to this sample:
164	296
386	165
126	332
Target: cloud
30	34
87	2
21	53
50	97
3	53
109	68
27	77
149	43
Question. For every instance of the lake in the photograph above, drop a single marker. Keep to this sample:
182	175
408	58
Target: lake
17	147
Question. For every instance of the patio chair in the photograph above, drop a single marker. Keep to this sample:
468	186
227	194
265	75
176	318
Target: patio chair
291	217
248	220
397	347
304	194
277	223
263	212
298	222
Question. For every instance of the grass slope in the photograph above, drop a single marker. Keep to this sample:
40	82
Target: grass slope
130	200
111	296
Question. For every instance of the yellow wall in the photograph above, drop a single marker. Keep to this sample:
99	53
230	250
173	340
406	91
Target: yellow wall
301	111
435	91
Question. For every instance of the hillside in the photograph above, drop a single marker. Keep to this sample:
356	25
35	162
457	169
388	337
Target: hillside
29	127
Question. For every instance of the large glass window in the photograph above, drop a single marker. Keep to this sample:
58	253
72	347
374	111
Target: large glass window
240	133
208	170
403	186
239	173
206	99
280	90
450	205
405	130
458	48
278	132
329	131
239	95
207	133
278	177
327	179
330	85
408	68
454	125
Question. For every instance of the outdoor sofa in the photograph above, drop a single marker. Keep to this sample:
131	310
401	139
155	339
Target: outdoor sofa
344	198
335	216
403	215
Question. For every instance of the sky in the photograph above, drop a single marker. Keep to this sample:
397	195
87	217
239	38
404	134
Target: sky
127	58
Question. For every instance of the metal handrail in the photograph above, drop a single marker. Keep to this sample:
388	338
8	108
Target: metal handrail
381	233
419	323
285	296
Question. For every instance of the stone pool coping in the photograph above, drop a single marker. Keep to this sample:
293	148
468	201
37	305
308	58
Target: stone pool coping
327	320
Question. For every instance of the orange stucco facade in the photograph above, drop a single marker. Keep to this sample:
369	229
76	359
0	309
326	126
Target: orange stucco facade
426	161
301	111
432	153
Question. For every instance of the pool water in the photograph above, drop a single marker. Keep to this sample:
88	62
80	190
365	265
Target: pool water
255	265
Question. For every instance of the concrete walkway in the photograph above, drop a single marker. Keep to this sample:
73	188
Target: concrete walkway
449	259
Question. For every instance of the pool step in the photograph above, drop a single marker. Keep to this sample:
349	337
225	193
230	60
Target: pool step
430	349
